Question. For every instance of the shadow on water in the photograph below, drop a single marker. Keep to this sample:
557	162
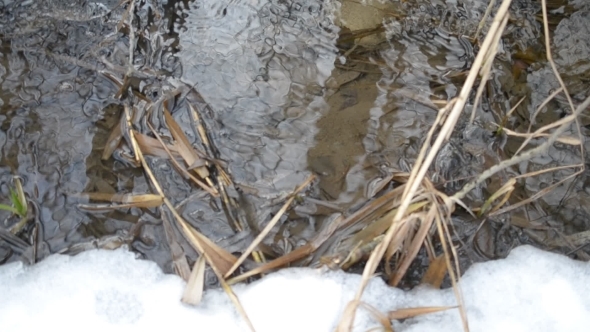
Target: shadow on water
337	89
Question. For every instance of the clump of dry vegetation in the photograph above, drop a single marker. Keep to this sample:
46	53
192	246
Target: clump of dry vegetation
391	228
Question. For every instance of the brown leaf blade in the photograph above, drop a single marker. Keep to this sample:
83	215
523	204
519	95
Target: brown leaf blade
379	316
151	146
193	293
436	272
413	312
184	147
220	257
181	168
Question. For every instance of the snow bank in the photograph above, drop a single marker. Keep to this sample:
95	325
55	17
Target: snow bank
531	290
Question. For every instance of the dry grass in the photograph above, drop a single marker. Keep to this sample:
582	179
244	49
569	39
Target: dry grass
440	205
393	226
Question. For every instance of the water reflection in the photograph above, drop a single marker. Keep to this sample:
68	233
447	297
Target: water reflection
261	65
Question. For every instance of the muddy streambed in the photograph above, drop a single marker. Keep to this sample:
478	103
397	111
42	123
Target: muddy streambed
342	90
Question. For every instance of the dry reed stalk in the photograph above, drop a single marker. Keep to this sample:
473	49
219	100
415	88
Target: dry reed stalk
535	196
128	127
484	18
413	312
179	260
186	150
180	168
331	226
152	147
268	227
215	256
565	140
222	179
485	70
529	154
556	72
421	167
129	200
382	318
540	132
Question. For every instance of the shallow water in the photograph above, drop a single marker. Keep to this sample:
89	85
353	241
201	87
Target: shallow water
261	65
289	94
50	110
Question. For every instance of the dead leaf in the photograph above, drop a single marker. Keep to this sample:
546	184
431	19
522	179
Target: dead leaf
413	312
379	316
193	292
222	259
185	149
436	272
152	147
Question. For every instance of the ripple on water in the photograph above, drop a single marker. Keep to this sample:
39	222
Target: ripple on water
49	110
254	62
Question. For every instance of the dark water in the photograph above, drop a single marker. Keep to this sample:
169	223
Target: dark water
50	112
262	66
289	94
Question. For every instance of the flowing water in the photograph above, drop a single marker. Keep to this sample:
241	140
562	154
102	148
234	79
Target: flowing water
291	90
261	65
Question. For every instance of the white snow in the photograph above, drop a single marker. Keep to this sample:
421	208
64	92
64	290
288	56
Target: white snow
531	290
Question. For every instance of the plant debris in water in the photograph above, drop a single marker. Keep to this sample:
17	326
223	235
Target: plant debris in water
237	137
